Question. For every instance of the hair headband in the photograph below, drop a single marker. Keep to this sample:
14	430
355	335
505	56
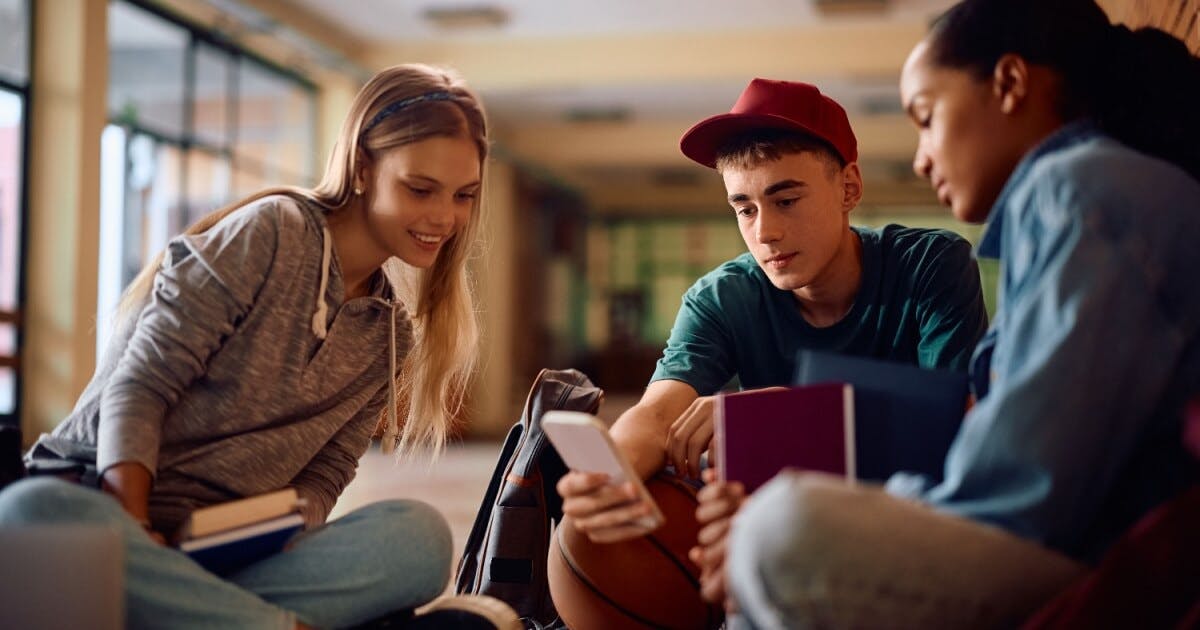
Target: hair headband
440	95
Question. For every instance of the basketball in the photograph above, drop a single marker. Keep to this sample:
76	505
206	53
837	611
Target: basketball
647	582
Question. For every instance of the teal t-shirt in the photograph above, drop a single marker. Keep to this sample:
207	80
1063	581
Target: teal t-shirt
919	302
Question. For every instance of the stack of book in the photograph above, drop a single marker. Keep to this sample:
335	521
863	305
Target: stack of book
226	537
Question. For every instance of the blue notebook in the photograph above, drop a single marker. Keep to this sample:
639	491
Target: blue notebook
225	552
905	416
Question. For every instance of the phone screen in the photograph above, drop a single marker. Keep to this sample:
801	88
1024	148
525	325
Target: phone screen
583	447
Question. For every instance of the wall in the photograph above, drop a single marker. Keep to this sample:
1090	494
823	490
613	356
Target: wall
69	83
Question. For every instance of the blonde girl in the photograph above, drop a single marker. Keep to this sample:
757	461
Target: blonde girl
261	350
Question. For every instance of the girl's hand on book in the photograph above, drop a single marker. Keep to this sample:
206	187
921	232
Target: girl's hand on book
719	501
156	536
129	484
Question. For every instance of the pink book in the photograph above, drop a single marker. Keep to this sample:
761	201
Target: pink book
760	432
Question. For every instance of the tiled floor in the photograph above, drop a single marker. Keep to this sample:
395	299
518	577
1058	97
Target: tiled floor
454	484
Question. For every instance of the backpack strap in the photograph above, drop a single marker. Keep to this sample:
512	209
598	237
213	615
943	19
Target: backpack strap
468	564
505	554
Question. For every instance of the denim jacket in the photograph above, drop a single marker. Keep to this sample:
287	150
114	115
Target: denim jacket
1092	352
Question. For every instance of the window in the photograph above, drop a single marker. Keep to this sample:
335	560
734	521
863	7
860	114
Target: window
194	124
147	77
638	269
14	97
274	128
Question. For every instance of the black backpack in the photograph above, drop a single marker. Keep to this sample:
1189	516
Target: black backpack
12	467
505	556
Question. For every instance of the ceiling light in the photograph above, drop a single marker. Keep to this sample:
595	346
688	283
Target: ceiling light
465	17
846	7
597	114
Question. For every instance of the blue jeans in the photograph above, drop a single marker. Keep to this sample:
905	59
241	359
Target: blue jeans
810	551
383	557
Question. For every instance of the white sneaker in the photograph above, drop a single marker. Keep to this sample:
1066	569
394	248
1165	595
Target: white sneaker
467	612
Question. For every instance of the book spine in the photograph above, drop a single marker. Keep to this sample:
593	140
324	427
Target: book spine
848	432
720	435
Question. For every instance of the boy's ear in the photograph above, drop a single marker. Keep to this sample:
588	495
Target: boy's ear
1010	82
852	186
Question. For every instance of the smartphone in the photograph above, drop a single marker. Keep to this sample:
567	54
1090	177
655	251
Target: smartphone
584	444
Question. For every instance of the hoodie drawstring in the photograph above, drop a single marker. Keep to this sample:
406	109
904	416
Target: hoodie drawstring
320	329
318	319
393	424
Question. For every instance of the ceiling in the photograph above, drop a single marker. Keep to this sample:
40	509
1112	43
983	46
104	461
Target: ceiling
384	22
595	94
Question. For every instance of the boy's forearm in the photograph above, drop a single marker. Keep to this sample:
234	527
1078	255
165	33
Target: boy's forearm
642	437
641	432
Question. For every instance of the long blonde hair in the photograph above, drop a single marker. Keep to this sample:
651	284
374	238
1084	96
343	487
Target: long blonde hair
435	373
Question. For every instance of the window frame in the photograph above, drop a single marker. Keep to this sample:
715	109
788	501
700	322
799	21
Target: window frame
16	318
190	143
188	140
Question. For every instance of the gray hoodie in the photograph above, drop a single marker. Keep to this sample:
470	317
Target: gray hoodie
247	370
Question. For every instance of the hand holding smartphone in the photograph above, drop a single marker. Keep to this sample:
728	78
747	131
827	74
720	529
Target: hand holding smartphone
584	444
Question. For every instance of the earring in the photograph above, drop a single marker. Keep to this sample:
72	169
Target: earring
358	191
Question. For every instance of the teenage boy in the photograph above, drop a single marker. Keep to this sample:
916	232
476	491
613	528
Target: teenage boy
789	161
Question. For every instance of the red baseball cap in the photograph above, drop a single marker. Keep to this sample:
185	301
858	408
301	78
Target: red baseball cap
768	104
